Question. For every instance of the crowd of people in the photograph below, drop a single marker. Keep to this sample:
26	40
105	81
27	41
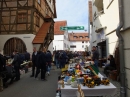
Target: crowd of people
12	71
42	61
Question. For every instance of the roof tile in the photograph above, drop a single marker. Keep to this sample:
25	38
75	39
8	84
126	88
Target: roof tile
78	36
57	26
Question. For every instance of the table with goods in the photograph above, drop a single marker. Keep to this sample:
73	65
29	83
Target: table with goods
88	77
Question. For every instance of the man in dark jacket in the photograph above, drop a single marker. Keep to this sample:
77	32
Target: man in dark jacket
34	61
57	59
2	62
111	66
62	59
49	61
43	64
16	64
38	64
27	56
95	56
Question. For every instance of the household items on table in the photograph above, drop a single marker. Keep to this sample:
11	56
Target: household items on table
86	75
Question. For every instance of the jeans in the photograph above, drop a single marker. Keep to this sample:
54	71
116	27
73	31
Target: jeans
48	67
57	63
37	72
96	63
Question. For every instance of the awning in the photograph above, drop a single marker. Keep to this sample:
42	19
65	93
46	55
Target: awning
41	34
99	4
100	29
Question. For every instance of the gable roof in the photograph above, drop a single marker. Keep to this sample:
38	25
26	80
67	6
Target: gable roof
57	26
78	37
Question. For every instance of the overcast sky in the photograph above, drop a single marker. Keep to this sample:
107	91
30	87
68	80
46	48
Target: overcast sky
74	11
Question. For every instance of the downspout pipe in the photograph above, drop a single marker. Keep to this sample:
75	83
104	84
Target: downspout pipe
121	51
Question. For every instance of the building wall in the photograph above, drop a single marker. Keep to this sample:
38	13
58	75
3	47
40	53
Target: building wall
112	43
27	39
58	42
126	13
51	47
126	35
28	28
66	42
79	45
108	19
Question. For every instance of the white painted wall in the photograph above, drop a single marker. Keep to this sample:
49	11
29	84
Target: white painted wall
58	42
27	39
109	19
66	41
79	45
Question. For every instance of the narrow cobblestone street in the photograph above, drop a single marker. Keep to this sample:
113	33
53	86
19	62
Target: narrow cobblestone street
30	87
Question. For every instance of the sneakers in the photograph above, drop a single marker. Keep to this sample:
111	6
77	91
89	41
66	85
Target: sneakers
48	73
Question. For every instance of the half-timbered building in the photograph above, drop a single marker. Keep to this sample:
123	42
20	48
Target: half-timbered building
25	24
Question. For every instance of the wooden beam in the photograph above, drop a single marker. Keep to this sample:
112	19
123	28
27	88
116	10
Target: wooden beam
1	14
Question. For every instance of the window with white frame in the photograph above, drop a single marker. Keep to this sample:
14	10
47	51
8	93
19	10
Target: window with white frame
81	37
82	46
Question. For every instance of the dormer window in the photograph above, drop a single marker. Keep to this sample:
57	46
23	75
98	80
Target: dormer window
81	37
86	37
75	37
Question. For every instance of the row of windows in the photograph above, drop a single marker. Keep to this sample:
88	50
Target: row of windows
81	37
74	46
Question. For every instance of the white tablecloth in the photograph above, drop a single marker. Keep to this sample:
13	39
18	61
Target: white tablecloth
101	90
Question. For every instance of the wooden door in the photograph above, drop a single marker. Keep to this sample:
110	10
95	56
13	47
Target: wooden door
12	44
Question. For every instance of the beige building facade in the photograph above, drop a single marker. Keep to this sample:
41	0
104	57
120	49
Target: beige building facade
26	24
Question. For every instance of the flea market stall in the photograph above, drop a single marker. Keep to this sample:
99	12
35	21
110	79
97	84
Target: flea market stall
88	77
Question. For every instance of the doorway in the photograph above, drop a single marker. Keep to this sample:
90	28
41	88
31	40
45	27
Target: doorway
12	44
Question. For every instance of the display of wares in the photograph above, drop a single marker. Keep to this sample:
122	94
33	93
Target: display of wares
87	76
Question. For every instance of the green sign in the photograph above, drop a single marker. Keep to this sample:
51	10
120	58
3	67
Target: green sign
64	28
